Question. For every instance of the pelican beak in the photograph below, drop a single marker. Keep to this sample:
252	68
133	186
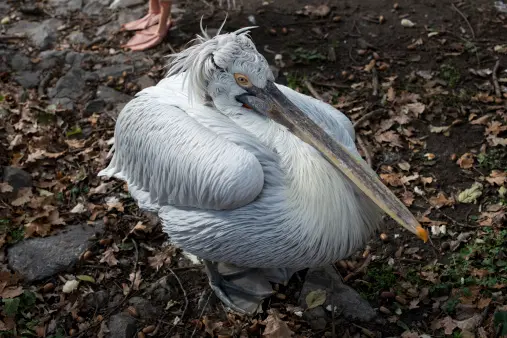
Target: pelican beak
270	101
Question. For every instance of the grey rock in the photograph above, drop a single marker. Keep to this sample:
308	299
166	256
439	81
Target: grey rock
94	7
78	38
125	3
39	258
143	307
95	301
71	85
347	301
109	95
16	178
28	79
145	81
51	59
44	35
94	106
5	57
63	103
114	70
22	27
125	16
20	62
62	7
122	326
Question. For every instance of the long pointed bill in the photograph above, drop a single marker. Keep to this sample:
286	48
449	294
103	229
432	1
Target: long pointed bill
271	102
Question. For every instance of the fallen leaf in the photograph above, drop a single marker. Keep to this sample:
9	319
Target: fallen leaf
483	302
86	278
370	65
391	95
393	180
275	326
101	189
469	324
439	130
41	229
407	179
23	196
470	195
466	161
407	23
136	279
426	180
404	166
407	198
440	200
448	324
162	258
389	137
11	292
497	177
5	187
108	256
79	209
114	203
416	108
70	286
315	298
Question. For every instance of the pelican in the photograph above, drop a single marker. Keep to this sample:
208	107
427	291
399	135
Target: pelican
254	178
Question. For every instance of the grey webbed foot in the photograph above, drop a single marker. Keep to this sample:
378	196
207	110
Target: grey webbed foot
240	289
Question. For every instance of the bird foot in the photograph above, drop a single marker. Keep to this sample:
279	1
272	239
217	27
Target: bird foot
150	19
240	289
148	38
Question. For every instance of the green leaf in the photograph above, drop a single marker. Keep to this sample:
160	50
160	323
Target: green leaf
315	298
74	131
86	278
27	299
11	306
501	318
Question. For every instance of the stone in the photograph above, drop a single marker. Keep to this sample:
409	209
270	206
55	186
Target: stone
63	103
28	79
94	106
50	59
16	178
125	3
78	38
42	257
129	15
94	7
44	35
110	95
347	301
143	307
20	62
62	7
145	81
95	301
122	326
71	85
114	70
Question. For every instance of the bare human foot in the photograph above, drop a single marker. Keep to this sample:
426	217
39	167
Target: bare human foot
149	37
149	20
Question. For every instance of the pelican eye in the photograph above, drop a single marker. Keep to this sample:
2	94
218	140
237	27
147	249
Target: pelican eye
242	80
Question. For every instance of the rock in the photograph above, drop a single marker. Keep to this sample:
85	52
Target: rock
95	7
78	38
44	35
125	16
20	62
16	178
63	103
143	307
125	3
122	326
145	81
50	59
95	106
114	71
109	95
71	85
95	301
62	7
28	79
347	301
316	317
42	257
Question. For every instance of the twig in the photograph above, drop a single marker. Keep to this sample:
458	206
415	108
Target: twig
498	93
135	267
465	18
367	116
330	84
374	81
360	269
312	90
365	150
11	37
186	299
202	312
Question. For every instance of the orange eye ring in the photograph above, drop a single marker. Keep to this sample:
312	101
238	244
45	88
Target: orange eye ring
242	80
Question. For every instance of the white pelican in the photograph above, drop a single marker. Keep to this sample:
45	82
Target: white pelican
253	177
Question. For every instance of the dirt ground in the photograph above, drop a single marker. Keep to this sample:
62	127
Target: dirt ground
430	96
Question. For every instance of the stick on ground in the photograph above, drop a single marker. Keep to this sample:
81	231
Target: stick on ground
498	93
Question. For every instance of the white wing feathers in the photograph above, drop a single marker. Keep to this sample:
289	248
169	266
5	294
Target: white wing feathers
168	158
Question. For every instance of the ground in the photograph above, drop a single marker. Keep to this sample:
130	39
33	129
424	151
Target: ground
424	81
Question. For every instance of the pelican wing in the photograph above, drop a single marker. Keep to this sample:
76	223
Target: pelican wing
167	157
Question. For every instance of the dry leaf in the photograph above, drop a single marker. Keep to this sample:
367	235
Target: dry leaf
404	166
370	65
426	180
391	95
482	120
416	108
23	197
41	229
136	279
407	179
5	187
79	209
70	286
276	327
440	200
407	198
393	180
108	256
101	189
448	325
439	130
11	292
483	302
114	203
497	177
466	161
162	258
389	137
315	298
470	195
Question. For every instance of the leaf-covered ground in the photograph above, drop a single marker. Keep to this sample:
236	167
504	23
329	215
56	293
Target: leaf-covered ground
424	82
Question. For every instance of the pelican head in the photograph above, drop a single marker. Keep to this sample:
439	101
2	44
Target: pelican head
228	71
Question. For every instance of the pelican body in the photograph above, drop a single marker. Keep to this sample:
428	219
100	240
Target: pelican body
245	172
